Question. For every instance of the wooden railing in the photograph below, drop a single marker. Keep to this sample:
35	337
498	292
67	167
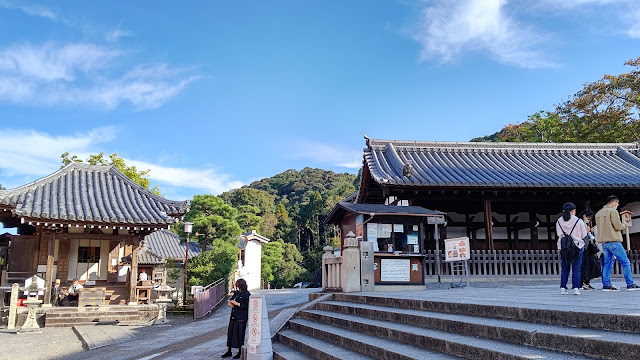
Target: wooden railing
516	263
206	300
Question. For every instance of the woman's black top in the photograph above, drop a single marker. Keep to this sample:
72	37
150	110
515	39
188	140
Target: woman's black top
240	312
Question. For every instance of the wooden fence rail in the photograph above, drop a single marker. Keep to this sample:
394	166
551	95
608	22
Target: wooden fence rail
516	263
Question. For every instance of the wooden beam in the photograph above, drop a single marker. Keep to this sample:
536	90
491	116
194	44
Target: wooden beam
49	274
133	280
488	221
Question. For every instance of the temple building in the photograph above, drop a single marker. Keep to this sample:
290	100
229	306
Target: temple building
82	222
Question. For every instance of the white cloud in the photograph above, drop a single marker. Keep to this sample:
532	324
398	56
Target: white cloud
29	152
451	27
82	74
26	155
329	154
34	10
116	34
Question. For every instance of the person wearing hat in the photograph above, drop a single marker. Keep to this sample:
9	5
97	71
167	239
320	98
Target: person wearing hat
56	294
569	225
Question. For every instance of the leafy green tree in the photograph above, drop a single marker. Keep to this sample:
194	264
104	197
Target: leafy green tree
248	218
141	177
260	199
212	220
281	264
212	265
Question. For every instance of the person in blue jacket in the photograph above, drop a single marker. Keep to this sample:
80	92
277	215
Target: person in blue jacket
239	303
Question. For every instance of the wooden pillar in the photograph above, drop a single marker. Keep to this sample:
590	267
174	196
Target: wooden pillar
49	274
488	229
550	231
133	280
36	253
509	240
534	230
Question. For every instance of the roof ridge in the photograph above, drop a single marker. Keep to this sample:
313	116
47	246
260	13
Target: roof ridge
379	143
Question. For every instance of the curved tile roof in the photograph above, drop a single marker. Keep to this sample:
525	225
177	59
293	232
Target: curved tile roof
518	165
91	194
167	244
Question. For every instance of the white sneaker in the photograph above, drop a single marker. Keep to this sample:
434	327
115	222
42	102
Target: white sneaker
576	291
563	291
610	288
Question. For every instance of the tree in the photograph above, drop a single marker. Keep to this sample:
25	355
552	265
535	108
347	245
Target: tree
248	218
212	220
281	263
248	196
212	265
141	177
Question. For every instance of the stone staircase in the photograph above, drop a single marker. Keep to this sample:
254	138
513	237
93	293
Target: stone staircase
116	295
353	326
121	315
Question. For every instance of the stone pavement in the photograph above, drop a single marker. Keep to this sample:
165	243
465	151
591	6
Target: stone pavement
197	340
535	297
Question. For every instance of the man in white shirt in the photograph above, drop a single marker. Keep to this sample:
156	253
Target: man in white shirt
74	290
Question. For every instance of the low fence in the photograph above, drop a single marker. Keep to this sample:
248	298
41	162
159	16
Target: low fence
206	300
333	271
516	263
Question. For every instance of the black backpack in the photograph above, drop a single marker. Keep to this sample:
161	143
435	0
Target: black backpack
568	249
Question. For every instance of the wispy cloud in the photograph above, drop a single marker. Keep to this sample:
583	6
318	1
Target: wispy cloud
26	155
117	33
449	28
30	152
329	154
82	74
33	10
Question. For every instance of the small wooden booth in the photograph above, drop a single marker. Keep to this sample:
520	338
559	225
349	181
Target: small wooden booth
396	236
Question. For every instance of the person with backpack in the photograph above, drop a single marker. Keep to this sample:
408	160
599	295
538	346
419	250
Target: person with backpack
571	231
609	235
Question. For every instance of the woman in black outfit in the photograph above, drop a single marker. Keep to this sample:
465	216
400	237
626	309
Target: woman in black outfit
239	303
591	268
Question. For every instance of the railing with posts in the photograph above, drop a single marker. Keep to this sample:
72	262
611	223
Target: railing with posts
332	269
516	263
206	300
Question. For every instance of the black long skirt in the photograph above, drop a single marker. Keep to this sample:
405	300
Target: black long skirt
235	333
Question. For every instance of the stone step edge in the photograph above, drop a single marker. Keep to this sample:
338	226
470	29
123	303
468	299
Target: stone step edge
87	320
303	348
281	354
378	351
614	322
431	343
81	314
588	346
122	323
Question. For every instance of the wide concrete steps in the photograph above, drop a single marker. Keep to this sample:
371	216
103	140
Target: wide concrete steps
590	342
353	326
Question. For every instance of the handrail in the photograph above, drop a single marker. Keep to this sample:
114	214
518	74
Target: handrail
206	300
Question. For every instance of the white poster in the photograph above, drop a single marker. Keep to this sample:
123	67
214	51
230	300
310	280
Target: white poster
255	321
398	228
386	231
395	270
456	249
372	232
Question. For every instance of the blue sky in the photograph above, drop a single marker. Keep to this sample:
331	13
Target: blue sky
211	95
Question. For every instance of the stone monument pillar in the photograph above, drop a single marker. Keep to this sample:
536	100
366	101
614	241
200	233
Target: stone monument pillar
350	274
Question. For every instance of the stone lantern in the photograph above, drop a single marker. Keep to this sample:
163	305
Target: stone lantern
163	300
32	303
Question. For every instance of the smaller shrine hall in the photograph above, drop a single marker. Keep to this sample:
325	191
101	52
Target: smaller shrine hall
84	221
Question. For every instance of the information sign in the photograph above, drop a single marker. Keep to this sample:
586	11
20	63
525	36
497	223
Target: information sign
372	232
456	249
397	270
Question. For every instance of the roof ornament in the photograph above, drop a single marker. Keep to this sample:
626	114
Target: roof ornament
407	170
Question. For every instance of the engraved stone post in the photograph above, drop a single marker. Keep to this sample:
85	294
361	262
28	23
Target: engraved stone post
328	253
13	307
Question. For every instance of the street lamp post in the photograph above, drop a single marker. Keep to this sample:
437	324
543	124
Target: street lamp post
187	228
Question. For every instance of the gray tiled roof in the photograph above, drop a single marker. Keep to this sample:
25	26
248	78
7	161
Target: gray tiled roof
525	165
167	244
146	256
337	213
92	194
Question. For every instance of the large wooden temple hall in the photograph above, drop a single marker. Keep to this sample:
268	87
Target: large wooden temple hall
503	196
